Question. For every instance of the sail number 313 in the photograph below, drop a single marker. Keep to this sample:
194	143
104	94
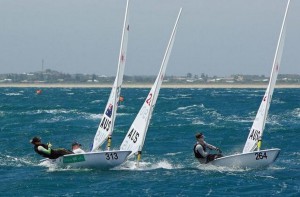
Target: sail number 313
111	156
261	155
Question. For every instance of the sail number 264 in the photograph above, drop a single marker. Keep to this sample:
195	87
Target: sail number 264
261	155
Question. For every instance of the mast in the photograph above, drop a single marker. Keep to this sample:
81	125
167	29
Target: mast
107	122
256	131
135	137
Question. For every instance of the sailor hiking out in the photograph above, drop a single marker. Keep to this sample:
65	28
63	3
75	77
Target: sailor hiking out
45	150
201	152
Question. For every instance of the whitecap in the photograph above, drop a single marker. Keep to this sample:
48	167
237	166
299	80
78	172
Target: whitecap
53	167
13	94
168	98
49	111
172	113
296	113
95	116
97	101
173	154
273	167
163	164
56	119
277	101
7	160
198	122
142	166
208	167
187	107
123	114
121	106
235	118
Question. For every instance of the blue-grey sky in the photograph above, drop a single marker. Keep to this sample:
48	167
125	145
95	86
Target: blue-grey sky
215	37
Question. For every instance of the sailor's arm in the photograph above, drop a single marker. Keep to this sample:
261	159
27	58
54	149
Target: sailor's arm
211	147
199	148
44	150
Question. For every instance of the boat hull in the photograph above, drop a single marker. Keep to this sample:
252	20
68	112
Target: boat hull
256	159
95	160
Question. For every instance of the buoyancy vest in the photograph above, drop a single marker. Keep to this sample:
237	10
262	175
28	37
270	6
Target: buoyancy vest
42	153
197	154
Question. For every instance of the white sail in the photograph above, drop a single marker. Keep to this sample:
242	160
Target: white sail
135	137
106	125
258	126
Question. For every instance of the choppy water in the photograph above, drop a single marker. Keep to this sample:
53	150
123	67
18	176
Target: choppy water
168	167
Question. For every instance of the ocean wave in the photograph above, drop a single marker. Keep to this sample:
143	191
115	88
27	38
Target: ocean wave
97	101
208	167
56	119
91	92
183	96
164	164
173	154
52	167
94	116
63	115
188	110
49	111
235	118
213	114
168	98
296	154
121	106
277	101
145	166
296	113
274	120
198	122
123	114
172	113
13	94
7	160
273	167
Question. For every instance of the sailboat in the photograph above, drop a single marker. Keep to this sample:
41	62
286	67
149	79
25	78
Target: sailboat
97	158
136	135
252	155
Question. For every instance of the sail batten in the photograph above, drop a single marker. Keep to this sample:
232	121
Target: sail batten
107	121
256	131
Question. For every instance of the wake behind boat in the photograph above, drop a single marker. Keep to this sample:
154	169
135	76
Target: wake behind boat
252	156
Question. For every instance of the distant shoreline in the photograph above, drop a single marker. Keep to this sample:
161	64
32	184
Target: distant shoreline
139	85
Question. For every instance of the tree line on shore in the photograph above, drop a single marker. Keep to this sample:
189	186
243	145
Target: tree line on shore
51	76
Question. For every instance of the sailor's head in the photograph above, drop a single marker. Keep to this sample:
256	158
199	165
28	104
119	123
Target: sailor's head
75	144
35	140
199	136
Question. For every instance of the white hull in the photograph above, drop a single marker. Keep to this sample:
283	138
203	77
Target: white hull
98	160
256	159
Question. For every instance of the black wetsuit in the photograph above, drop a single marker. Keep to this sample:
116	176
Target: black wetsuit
54	153
209	157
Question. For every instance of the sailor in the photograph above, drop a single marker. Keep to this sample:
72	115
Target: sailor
76	148
200	150
45	150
